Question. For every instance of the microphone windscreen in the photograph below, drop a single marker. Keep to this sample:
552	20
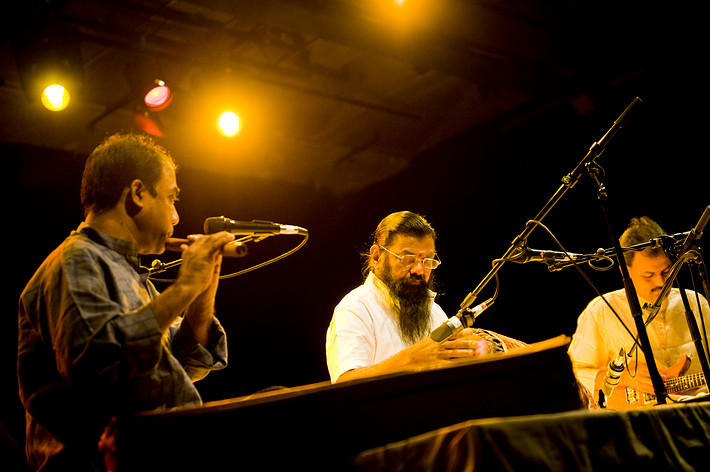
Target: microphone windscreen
215	224
442	333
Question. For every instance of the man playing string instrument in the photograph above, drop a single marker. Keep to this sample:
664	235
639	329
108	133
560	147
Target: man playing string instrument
600	334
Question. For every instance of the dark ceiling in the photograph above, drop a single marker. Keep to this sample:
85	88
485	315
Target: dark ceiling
335	94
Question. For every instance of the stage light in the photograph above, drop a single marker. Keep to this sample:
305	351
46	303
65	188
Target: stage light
229	124
405	15
158	97
55	98
49	65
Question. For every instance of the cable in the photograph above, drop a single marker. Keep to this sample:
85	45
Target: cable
233	274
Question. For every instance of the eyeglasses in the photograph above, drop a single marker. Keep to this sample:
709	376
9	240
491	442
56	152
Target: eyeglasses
408	260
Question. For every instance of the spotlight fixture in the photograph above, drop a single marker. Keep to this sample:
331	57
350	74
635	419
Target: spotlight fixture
158	97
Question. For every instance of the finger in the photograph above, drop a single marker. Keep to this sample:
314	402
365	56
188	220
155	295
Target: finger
463	333
216	240
481	347
477	348
463	344
458	353
212	243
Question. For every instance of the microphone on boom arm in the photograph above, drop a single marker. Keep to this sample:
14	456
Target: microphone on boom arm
250	228
526	255
455	324
695	233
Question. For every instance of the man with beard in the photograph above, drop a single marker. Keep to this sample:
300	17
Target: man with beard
383	325
606	325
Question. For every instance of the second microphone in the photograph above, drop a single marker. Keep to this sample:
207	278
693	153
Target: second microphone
256	227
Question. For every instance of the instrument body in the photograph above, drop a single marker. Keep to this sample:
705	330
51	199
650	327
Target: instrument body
627	398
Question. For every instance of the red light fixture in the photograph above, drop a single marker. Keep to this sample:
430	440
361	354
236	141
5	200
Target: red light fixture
158	97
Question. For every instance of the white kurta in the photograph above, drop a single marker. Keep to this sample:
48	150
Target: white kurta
364	329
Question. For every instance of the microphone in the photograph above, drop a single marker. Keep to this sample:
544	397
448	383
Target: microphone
616	367
696	232
454	325
256	227
548	257
618	124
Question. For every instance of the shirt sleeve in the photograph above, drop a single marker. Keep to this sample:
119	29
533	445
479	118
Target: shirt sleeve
588	349
349	340
199	360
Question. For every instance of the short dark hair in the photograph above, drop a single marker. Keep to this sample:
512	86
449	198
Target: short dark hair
401	222
641	230
117	162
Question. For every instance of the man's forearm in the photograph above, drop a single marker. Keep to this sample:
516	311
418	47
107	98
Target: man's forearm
170	304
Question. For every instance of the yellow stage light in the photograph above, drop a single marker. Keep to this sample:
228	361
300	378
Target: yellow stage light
229	124
55	97
50	56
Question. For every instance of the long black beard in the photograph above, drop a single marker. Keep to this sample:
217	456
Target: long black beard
412	304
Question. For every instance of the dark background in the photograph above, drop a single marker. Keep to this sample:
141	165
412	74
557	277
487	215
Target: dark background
478	190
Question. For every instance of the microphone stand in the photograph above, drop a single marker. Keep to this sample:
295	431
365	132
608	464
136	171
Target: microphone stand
658	386
568	181
686	254
692	322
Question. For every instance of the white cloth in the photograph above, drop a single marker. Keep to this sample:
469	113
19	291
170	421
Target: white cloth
364	329
600	335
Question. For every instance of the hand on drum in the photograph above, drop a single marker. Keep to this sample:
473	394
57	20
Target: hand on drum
464	344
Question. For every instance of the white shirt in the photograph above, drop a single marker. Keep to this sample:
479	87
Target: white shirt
364	329
600	335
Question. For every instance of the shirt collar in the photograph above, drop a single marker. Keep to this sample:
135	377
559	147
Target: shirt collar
127	249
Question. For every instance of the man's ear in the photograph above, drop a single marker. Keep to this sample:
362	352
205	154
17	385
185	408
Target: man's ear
375	254
135	196
138	191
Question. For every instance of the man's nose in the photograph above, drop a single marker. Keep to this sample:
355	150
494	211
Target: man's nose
418	267
175	218
660	279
